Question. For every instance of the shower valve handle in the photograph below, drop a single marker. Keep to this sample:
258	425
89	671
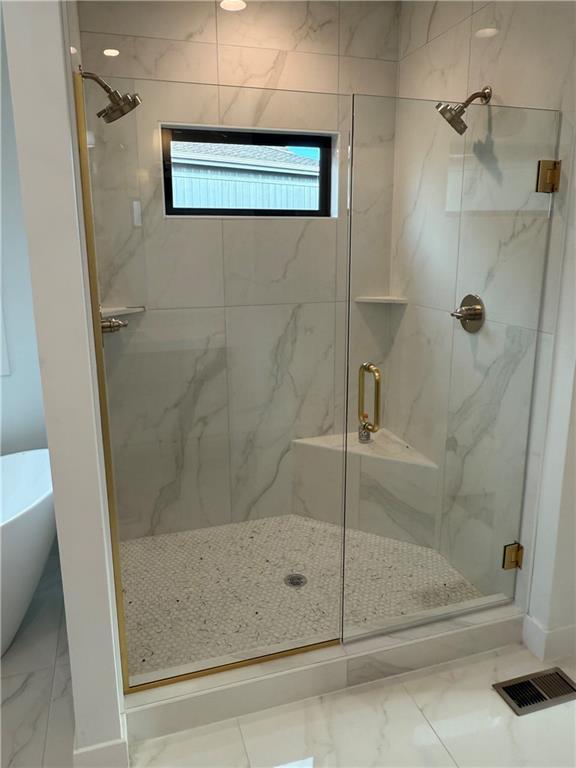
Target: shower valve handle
474	312
471	313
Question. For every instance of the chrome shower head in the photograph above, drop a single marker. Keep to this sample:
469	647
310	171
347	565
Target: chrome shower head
120	103
454	114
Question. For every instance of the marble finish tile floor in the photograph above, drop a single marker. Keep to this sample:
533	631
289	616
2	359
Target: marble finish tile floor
444	716
37	714
215	595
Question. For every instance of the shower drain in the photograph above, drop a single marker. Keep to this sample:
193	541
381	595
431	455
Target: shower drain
295	580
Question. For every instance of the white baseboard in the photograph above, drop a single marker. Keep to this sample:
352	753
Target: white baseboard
548	644
107	754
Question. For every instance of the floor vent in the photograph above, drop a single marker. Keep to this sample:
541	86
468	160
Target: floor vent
537	691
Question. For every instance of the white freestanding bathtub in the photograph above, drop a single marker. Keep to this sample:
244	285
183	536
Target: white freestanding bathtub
27	530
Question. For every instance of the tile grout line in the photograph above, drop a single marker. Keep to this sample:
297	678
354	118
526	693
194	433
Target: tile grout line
217	44
435	732
243	739
444	31
50	700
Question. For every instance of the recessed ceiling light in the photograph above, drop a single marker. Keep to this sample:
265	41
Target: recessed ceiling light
111	52
73	50
487	32
233	5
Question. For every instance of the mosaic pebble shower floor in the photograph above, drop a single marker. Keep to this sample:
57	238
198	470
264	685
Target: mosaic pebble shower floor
214	595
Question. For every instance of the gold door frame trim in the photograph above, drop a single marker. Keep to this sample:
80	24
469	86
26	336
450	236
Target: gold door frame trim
81	129
233	665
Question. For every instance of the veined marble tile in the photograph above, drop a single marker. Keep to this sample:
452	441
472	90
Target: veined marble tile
479	728
115	190
163	487
369	726
417	378
426	206
488	416
150	57
367	76
372	190
421	22
369	340
170	104
210	746
369	30
504	235
340	365
289	110
25	702
318	481
183	257
502	260
279	260
399	500
281	386
59	748
437	70
311	27
522	70
190	21
502	149
168	412
285	70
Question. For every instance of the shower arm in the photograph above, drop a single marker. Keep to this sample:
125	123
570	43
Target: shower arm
484	95
102	83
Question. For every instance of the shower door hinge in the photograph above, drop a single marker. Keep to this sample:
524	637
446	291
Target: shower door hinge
512	556
548	175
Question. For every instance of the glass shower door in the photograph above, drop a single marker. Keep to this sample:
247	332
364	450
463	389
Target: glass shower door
436	493
225	389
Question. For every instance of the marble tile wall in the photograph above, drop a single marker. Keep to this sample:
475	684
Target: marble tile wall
273	278
312	46
508	243
242	345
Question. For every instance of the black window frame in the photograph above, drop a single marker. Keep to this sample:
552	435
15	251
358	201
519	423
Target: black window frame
262	138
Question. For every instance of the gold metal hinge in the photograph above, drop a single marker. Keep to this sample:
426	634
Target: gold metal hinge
512	556
548	179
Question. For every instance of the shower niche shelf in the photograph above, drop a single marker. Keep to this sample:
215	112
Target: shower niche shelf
106	312
380	300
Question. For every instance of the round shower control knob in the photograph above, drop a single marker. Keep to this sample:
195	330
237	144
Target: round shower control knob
471	313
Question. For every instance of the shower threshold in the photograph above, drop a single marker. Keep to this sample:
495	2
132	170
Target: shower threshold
216	596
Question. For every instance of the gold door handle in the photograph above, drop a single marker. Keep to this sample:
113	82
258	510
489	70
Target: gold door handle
365	424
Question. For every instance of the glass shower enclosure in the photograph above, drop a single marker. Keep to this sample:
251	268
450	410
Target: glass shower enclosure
437	218
250	517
